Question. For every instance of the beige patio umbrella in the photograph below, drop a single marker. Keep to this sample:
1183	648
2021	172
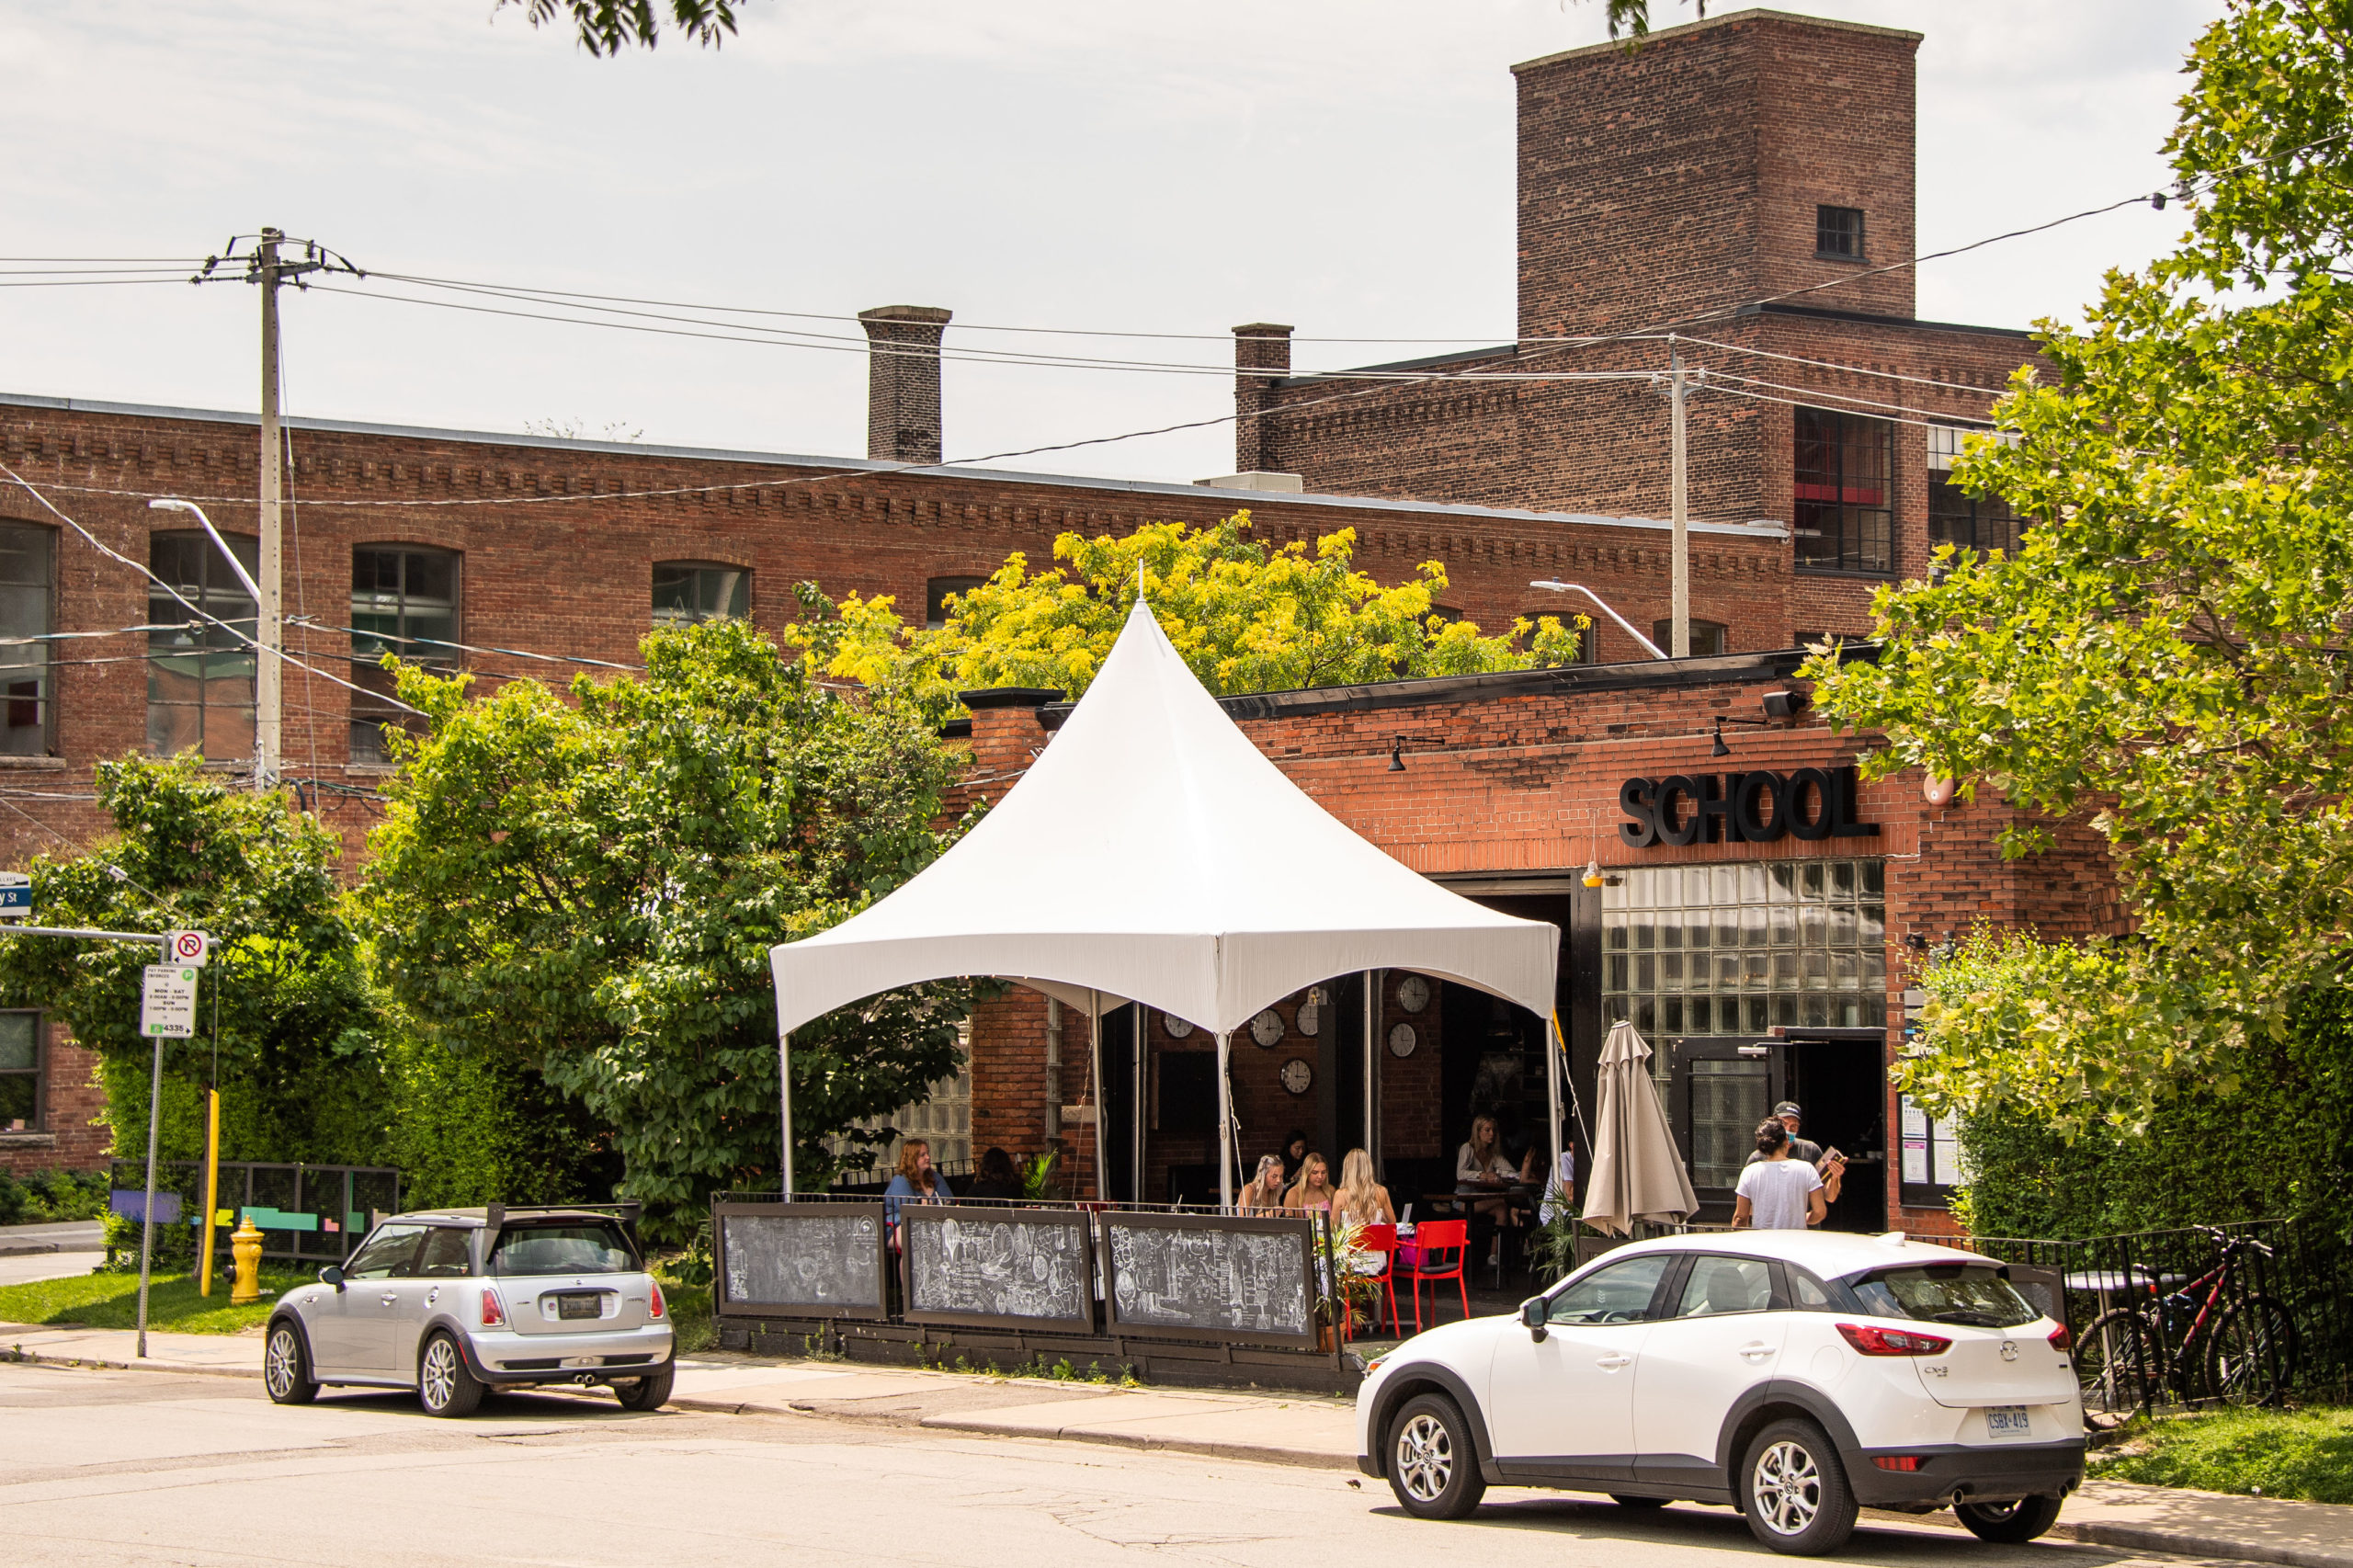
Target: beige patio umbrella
1637	1172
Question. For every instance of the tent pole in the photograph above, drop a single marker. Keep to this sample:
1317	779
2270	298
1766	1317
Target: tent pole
1552	1101
784	1092
1224	1126
1371	1066
1136	1119
1094	1084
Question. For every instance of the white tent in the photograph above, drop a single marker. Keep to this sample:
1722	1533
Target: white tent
1151	854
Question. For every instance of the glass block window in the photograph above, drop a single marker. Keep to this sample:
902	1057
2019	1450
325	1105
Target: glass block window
25	675
1741	949
943	1119
403	601
689	592
1844	494
199	674
19	1071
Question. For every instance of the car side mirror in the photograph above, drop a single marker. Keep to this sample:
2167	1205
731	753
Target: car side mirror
1533	1316
331	1274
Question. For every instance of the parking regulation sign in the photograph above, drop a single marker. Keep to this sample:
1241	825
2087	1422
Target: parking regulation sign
167	1002
190	948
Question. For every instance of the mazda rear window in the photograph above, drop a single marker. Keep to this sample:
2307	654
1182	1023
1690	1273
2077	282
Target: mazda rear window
586	1247
1964	1293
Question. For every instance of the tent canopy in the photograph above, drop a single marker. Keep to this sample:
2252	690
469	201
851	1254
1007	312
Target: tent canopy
1153	854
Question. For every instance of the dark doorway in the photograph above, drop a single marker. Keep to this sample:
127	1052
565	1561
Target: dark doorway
1841	1084
1117	1112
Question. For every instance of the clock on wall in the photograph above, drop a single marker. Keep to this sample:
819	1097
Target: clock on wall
1402	1041
1311	1018
1177	1027
1413	994
1266	1028
1298	1075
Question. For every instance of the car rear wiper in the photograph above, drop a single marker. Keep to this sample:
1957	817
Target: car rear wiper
1968	1319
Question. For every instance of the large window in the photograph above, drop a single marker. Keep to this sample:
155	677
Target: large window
686	592
1957	518
1844	492
24	562
1741	949
403	601
201	674
20	1105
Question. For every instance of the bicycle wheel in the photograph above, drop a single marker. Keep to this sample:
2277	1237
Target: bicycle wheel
2116	1359
2251	1355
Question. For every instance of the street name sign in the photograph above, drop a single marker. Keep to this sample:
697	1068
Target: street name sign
167	1002
15	896
192	948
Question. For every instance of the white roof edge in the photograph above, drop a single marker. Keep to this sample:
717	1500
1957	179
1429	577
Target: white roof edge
1755	527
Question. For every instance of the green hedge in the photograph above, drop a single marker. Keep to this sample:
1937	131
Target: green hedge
2280	1147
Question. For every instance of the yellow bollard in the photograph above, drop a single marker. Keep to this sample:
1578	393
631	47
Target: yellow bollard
245	1244
212	1188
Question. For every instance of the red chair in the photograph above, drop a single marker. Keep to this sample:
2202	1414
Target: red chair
1381	1239
1440	1246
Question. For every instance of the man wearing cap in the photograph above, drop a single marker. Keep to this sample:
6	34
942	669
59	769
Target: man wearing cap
1832	1171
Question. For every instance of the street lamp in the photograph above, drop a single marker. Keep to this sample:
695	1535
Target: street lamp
1648	646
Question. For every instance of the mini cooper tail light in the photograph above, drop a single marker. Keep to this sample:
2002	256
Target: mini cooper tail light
494	1310
655	1304
1896	1461
2060	1340
1872	1340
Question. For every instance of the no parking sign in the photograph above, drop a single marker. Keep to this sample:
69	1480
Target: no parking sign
191	948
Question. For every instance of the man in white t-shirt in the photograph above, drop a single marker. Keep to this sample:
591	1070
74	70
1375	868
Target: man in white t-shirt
1776	1192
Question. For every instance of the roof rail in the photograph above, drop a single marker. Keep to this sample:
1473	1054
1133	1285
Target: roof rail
627	1211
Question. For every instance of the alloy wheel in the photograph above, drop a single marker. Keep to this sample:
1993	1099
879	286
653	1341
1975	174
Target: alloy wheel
1424	1457
1788	1488
437	1378
279	1362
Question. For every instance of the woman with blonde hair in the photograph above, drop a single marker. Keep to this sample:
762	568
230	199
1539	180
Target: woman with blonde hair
1313	1188
1264	1194
1360	1201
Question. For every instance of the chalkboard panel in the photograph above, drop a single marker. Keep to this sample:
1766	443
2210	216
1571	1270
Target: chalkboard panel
998	1268
801	1260
1210	1276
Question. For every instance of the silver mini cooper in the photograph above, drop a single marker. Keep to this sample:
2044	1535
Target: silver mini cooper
454	1301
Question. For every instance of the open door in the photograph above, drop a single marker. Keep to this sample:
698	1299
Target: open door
1722	1089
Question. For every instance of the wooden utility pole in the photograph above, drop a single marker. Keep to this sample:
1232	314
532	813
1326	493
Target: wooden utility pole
269	705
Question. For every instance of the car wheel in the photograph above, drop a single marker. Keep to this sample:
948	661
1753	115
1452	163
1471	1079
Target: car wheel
1640	1505
286	1366
445	1384
2009	1524
649	1393
1794	1491
1433	1468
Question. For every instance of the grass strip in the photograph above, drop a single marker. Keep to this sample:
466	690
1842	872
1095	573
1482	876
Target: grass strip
111	1301
2301	1455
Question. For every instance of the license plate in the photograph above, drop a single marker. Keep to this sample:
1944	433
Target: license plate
2008	1422
579	1307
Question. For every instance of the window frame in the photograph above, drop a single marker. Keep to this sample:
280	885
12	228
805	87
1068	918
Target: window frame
1662	633
43	660
212	598
935	590
1777	1296
1825	224
1850	530
377	704
1670	1274
39	1072
697	615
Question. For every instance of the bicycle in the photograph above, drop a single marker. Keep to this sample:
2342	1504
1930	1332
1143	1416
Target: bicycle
2229	1343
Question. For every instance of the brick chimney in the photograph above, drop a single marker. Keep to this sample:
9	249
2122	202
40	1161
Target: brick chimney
903	382
1259	347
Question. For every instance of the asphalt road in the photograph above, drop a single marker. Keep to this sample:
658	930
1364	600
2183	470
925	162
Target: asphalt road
143	1468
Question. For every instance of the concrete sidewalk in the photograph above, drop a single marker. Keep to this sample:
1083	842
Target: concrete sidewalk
1291	1429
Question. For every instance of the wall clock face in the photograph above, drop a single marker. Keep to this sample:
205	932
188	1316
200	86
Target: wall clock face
1297	1076
1311	1018
1266	1028
1413	994
1177	1027
1402	1041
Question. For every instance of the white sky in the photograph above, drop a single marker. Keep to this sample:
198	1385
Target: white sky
1344	165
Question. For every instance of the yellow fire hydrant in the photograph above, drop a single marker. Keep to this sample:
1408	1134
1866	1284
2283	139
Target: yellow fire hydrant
244	1245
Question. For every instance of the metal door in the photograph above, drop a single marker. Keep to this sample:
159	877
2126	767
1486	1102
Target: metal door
1722	1089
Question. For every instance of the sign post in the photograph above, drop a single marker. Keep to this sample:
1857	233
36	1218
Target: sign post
166	1011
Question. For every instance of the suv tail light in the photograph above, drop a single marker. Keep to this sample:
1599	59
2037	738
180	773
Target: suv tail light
494	1310
1872	1340
656	1307
2060	1340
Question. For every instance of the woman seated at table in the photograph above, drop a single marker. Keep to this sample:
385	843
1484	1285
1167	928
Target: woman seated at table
1360	1201
1480	1163
1313	1188
916	1181
1264	1193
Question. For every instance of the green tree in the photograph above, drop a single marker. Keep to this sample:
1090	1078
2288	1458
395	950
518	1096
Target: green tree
1244	618
591	888
297	1051
2165	656
1632	18
608	26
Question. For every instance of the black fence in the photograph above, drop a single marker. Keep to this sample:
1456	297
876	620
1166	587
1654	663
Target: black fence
1165	1292
307	1214
2251	1314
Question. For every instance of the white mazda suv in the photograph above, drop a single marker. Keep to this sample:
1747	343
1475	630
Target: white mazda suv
1795	1376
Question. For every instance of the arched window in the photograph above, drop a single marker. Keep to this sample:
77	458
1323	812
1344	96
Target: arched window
689	592
403	601
935	597
27	553
201	674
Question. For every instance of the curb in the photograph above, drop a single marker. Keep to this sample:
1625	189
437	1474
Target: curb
1298	1458
29	1249
100	1364
2135	1537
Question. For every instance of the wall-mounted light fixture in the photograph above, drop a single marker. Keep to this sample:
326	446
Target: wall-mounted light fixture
1397	756
1719	748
